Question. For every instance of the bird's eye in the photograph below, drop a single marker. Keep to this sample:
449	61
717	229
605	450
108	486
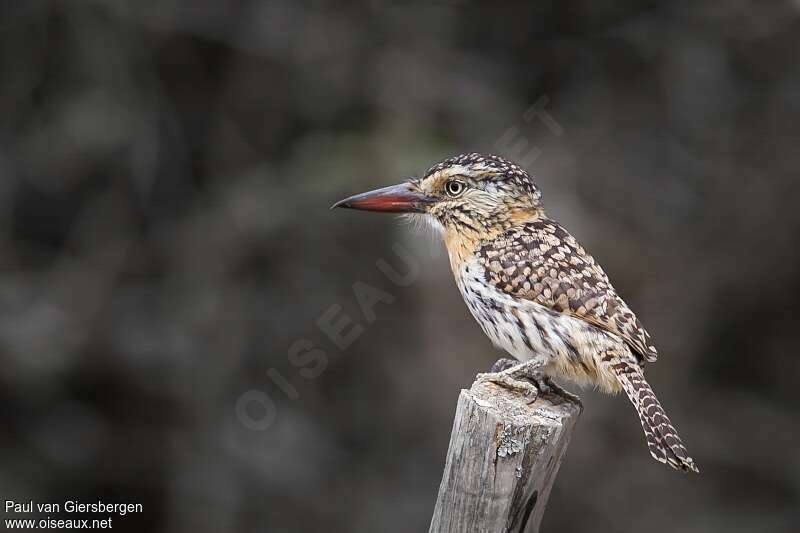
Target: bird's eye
454	188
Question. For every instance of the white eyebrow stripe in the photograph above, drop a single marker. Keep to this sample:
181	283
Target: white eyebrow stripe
455	169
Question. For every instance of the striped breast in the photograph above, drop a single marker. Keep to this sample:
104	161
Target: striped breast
525	328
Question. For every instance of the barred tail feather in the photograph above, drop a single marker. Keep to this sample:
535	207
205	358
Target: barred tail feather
662	439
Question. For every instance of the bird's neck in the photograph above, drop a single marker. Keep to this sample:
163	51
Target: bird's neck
464	242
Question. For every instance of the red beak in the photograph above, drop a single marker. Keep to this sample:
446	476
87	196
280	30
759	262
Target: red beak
393	199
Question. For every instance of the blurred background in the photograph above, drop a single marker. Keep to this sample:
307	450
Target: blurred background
166	170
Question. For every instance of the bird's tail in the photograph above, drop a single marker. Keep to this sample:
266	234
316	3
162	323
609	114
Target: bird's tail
662	439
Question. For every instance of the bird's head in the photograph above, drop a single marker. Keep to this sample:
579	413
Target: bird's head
471	195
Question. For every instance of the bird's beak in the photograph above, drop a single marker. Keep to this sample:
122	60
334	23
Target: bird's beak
401	198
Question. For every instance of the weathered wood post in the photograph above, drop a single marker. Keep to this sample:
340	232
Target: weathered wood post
502	461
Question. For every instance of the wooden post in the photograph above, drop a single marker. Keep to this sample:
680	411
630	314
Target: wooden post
502	461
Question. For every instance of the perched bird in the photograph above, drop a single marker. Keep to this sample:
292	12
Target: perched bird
532	287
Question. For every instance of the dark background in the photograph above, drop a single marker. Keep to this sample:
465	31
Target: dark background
165	175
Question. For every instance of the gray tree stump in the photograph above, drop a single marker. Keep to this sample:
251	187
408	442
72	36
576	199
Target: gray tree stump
502	461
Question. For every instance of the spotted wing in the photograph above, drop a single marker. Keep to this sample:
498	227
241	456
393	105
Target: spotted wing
542	262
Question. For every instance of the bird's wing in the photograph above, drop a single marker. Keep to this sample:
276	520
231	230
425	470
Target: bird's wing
541	261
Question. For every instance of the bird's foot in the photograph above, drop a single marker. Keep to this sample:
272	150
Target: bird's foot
546	385
514	376
510	382
503	363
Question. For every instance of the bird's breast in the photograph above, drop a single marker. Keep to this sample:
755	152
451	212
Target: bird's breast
525	328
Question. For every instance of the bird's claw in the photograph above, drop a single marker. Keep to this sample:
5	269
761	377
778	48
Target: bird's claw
508	381
548	386
504	363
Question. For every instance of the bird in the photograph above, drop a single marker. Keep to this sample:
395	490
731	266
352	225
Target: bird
533	289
